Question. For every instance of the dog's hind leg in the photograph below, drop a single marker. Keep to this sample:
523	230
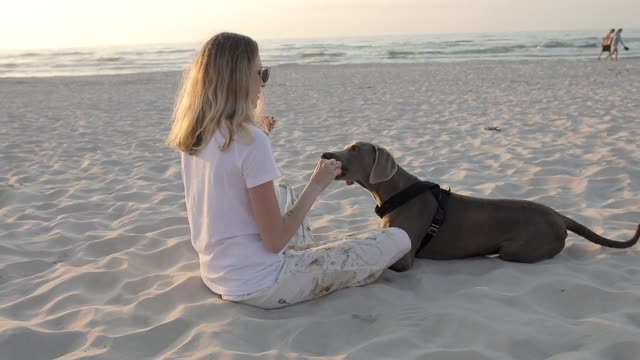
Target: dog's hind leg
530	250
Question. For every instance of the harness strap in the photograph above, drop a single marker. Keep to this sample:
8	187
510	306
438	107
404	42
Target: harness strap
410	192
442	196
403	196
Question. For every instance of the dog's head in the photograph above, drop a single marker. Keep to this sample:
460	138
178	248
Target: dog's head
364	163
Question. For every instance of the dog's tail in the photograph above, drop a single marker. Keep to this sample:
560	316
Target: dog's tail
583	231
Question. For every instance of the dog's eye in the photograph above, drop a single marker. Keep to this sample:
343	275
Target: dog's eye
354	148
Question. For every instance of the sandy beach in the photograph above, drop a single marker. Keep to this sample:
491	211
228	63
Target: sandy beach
96	260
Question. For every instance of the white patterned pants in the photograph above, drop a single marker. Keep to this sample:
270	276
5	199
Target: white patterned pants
312	269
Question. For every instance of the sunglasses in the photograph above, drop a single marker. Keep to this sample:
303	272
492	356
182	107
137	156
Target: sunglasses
264	73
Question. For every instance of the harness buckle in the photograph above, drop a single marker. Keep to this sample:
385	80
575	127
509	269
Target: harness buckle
433	229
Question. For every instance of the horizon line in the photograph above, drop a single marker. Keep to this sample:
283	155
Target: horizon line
160	43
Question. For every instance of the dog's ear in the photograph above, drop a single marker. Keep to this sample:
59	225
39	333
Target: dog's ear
384	167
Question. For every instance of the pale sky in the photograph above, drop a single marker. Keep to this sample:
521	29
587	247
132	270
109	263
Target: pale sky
78	23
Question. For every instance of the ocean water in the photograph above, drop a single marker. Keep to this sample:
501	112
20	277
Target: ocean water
329	51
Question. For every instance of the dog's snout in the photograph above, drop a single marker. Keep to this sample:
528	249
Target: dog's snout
328	156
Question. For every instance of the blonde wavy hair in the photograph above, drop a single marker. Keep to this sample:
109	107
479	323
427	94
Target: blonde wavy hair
216	94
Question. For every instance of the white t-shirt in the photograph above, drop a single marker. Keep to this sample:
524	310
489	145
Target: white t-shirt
224	232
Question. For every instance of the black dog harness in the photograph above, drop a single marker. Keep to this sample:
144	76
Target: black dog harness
410	192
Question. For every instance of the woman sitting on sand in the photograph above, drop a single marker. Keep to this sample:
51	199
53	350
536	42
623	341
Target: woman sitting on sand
251	236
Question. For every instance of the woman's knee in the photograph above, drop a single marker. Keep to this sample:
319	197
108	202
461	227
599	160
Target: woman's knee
398	239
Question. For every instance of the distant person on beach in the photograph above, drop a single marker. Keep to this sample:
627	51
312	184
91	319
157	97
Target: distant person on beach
252	239
615	42
606	43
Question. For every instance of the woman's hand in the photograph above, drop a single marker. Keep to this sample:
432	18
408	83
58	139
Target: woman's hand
267	123
277	229
325	172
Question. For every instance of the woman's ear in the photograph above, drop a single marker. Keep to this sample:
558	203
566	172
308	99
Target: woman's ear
384	166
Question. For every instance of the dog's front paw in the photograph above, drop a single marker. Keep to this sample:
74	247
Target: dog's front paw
405	263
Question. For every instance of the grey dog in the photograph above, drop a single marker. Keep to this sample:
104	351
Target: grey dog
515	230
